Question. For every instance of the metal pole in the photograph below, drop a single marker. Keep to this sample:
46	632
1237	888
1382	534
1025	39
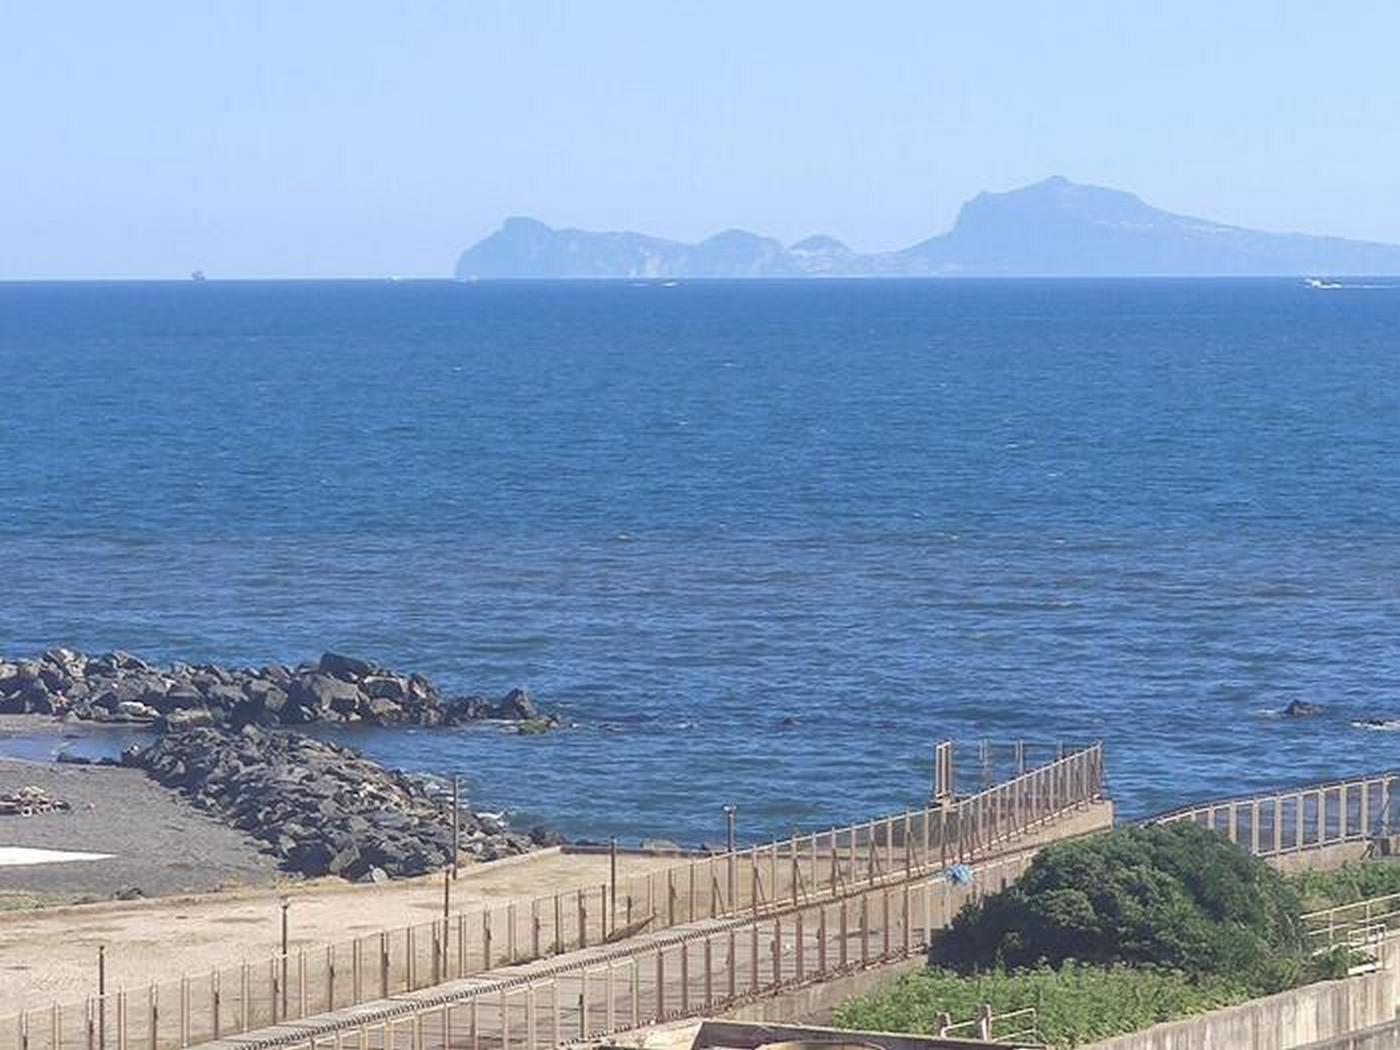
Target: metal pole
729	812
612	881
456	822
285	905
447	878
102	996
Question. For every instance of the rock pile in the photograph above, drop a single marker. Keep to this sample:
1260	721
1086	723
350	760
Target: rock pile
119	687
320	808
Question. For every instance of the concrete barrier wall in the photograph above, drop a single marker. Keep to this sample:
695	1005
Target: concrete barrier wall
1378	1037
1323	1012
1320	858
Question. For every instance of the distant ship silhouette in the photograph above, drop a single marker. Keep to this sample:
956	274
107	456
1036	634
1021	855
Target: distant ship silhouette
197	275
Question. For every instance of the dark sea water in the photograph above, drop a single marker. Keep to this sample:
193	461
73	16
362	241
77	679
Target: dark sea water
1150	512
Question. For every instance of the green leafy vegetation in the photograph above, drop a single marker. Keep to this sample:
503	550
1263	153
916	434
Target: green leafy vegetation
1075	1004
1115	933
1355	882
1175	896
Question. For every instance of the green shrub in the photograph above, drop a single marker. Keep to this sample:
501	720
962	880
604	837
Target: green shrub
1074	1004
1176	896
1355	882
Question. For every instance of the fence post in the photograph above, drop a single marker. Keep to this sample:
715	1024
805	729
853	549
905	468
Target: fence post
777	951
553	1009
583	1004
558	925
865	928
754	959
535	928
753	880
685	977
709	974
908	931
799	946
612	1009
660	982
796	871
885	923
733	965
984	1022
841	940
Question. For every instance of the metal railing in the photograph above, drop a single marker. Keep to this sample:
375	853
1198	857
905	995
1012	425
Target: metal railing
1302	818
754	882
985	1025
1358	925
697	973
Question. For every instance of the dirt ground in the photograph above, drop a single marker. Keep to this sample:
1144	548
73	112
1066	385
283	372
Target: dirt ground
51	953
211	898
159	843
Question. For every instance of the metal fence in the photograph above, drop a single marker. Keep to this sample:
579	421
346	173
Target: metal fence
1302	818
686	975
754	882
1358	925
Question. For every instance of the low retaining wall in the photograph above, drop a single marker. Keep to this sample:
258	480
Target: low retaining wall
1320	858
1320	1014
1378	1037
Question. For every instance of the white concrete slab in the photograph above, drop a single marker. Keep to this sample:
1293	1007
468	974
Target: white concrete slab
18	856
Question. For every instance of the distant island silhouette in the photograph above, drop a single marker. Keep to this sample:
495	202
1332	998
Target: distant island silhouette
1052	228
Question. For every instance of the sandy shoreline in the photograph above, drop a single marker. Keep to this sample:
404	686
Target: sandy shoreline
210	896
159	843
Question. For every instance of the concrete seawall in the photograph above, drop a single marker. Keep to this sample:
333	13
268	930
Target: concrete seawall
1323	1015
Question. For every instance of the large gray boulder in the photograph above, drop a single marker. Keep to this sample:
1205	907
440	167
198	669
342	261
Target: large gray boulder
350	668
323	693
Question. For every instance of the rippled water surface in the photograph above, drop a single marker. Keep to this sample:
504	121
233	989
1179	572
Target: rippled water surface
1148	512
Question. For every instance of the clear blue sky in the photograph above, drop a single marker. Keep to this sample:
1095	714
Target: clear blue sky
347	138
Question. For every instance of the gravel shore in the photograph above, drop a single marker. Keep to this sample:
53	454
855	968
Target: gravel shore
160	843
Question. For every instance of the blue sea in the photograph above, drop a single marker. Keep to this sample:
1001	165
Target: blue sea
764	543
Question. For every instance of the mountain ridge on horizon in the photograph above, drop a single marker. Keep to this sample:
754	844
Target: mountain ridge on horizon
1050	228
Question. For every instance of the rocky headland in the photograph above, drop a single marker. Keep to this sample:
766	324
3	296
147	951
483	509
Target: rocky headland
118	687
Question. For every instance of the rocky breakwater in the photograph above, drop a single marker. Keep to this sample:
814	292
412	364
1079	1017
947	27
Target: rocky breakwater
120	687
320	808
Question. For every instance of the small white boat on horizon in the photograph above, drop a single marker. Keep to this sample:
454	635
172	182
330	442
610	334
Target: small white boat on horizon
1321	282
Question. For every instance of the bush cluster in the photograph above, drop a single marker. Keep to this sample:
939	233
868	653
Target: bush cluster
1176	897
1121	931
